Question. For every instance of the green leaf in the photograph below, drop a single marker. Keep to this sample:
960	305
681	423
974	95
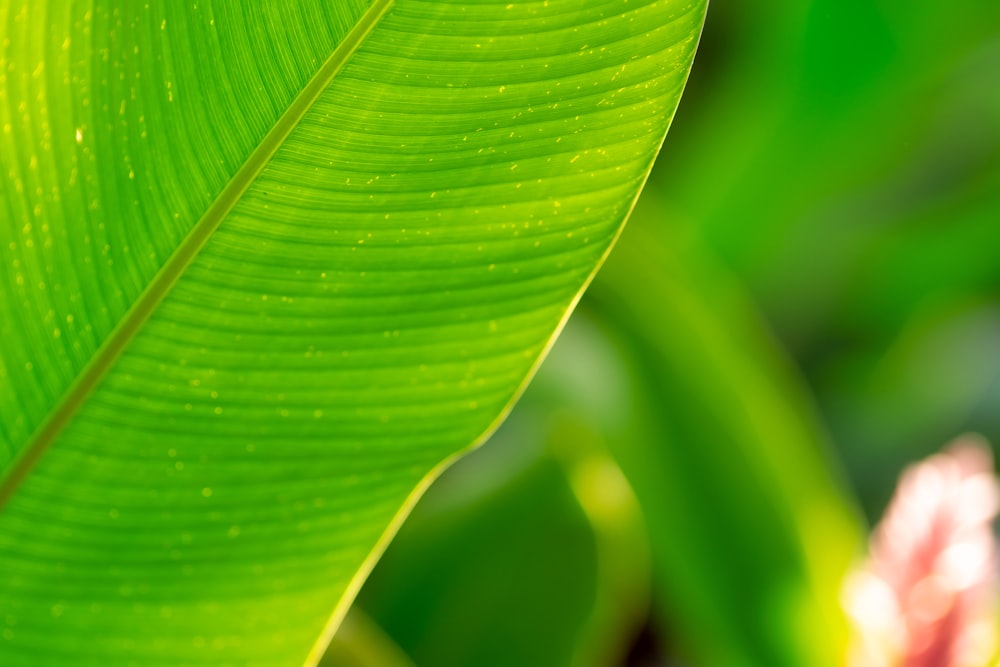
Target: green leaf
263	270
360	642
531	551
891	215
507	579
751	530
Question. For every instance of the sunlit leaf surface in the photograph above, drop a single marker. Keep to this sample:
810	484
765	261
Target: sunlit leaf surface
262	269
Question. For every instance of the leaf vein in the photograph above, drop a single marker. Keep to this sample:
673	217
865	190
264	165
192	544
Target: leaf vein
175	266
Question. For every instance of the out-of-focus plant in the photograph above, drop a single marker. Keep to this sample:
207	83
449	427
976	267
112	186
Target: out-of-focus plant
927	596
849	160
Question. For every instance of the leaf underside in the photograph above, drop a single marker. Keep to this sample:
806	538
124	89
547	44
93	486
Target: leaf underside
263	269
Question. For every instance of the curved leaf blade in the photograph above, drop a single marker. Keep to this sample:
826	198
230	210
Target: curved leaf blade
751	530
364	310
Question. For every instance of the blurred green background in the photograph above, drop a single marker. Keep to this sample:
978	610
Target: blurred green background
806	298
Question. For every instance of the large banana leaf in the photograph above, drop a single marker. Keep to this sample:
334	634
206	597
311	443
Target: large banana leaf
264	267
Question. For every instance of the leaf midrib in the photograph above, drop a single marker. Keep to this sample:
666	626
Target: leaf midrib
175	266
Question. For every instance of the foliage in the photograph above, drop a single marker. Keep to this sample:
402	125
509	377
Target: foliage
265	272
848	187
804	300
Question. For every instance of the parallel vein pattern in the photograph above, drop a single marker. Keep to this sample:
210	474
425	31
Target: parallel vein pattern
175	266
366	309
115	138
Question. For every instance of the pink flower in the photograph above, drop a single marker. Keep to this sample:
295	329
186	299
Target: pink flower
926	596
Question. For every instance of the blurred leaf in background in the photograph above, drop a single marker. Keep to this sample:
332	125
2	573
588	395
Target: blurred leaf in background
750	529
848	171
360	642
523	554
529	552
